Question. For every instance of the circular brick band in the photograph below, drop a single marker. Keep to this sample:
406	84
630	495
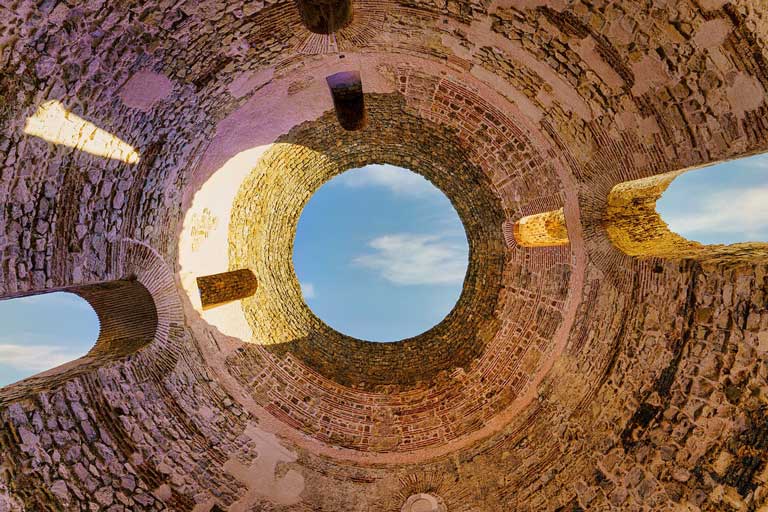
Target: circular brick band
263	227
424	503
426	393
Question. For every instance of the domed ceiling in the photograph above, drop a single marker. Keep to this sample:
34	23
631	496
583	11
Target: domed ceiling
155	158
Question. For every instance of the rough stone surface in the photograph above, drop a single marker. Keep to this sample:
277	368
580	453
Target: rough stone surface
541	230
576	377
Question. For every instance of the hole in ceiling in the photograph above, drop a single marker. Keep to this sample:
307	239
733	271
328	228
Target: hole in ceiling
380	253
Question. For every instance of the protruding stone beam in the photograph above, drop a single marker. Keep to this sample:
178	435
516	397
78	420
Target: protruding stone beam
347	91
325	16
541	230
218	289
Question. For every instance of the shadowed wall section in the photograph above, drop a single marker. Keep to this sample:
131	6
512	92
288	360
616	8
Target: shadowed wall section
127	316
325	16
347	92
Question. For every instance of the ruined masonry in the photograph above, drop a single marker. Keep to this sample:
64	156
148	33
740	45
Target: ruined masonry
155	158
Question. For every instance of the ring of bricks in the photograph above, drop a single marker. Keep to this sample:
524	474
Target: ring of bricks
264	219
384	397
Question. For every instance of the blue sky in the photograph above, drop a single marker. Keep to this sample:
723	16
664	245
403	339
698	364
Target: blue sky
381	254
42	332
721	204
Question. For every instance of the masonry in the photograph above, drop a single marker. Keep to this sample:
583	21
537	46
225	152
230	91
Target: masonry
592	363
226	287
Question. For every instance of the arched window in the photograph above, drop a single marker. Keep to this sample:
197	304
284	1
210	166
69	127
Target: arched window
41	332
718	212
724	204
72	331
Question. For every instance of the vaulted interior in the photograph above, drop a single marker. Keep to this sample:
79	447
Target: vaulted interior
593	362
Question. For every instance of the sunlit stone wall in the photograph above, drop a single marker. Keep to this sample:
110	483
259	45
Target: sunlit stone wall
635	227
545	229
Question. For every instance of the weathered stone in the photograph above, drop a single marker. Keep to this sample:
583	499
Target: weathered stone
623	370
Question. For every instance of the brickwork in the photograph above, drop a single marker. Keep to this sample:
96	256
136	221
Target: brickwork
575	377
225	287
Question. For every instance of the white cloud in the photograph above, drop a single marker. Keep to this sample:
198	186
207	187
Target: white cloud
34	357
308	290
734	210
399	181
407	259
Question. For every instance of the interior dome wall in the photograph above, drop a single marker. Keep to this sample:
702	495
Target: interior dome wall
657	397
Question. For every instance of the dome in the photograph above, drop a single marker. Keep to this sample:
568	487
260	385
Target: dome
155	159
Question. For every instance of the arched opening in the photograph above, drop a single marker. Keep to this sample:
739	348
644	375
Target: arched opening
545	229
41	332
126	320
726	203
712	213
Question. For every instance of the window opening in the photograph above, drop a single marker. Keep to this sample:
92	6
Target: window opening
380	253
41	332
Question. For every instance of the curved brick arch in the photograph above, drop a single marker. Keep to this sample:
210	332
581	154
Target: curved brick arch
134	312
127	322
635	228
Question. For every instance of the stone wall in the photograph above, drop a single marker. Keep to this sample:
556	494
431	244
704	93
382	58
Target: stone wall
577	377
